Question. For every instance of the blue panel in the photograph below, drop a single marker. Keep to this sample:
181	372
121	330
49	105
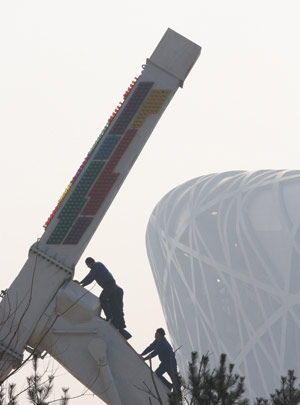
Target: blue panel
107	147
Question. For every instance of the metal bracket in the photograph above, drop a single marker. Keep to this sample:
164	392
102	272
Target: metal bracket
52	260
35	351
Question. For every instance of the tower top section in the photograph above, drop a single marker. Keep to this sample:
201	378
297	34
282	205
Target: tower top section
99	178
175	54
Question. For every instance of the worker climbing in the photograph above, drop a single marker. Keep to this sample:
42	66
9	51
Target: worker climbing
111	297
161	347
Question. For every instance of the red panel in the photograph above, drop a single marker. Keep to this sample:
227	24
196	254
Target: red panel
107	178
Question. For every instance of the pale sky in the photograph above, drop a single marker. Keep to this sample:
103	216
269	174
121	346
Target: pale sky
65	65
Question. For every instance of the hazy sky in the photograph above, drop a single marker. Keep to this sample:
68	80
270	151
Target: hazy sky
65	66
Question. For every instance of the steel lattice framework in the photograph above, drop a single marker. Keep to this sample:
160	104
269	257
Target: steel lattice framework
225	254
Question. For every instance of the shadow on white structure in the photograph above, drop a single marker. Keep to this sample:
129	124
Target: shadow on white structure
225	254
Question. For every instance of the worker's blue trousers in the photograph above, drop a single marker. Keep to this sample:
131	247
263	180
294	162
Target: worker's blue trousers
171	370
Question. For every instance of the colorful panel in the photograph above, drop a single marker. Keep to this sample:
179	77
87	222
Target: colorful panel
152	105
112	117
131	108
99	177
99	192
120	149
98	139
78	229
107	178
107	147
75	203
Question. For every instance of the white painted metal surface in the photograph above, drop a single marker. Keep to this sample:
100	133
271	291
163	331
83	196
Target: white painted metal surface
92	350
43	291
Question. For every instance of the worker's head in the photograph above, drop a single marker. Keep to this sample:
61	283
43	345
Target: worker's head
159	334
89	261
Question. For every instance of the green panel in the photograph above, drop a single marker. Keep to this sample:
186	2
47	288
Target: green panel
75	203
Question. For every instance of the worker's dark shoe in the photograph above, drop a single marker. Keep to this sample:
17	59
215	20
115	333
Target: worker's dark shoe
125	334
175	398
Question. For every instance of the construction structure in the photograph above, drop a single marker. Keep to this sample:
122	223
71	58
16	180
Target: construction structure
44	310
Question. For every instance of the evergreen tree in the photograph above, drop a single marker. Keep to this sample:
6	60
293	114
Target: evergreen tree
64	398
287	394
217	387
38	391
261	401
11	395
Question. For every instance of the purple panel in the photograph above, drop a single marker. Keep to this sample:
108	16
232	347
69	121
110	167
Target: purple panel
136	100
77	230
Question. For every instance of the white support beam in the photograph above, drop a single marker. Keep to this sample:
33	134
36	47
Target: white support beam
28	305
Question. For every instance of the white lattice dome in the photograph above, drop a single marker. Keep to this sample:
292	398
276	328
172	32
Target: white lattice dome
225	253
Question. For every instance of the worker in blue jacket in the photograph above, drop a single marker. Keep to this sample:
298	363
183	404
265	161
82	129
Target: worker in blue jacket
111	297
162	348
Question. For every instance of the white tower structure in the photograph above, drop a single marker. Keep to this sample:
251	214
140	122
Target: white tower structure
44	310
225	254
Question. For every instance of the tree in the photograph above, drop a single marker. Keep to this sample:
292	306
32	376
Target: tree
10	394
217	387
287	394
38	391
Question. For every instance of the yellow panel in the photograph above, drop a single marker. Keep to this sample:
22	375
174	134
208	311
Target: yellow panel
152	105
